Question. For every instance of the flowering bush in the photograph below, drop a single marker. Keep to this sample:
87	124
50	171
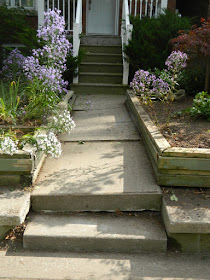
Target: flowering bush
148	85
8	145
13	66
162	84
62	122
49	144
48	62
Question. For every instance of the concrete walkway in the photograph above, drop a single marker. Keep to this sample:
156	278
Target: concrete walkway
104	167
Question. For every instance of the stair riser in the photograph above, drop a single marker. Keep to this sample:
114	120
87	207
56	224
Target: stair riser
93	245
101	40
103	59
101	68
72	203
102	49
100	79
83	89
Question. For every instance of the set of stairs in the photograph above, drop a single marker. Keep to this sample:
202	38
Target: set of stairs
101	70
101	194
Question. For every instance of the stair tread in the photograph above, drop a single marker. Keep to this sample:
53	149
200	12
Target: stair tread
98	225
102	46
104	54
100	74
101	63
99	85
95	232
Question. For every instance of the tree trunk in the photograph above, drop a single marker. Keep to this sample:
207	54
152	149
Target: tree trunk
207	76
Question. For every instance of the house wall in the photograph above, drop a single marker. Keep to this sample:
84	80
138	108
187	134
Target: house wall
194	8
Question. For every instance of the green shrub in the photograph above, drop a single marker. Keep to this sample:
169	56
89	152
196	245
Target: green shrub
15	28
149	46
201	105
192	79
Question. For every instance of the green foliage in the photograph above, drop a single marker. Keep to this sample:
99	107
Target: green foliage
72	64
40	103
15	28
149	46
9	101
192	79
201	105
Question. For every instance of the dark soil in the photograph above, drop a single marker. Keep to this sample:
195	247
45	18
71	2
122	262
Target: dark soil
183	130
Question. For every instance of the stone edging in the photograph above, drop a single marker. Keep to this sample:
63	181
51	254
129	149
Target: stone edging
173	166
24	166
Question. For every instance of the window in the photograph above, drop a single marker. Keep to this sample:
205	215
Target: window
28	4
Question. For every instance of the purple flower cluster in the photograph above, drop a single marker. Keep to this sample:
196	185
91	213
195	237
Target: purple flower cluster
176	61
48	62
147	85
13	66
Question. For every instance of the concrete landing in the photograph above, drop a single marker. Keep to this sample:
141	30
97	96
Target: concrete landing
14	206
99	125
95	233
98	176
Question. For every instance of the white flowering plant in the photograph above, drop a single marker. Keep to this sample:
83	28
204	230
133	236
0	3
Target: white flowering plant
49	144
8	145
62	122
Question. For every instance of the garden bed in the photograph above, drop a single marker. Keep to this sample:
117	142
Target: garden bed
173	166
22	167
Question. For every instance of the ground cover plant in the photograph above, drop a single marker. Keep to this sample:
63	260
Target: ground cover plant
36	86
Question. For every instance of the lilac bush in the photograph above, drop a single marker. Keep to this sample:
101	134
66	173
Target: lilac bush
13	66
176	61
164	83
48	63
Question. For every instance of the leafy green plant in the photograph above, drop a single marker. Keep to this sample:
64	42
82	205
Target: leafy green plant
9	101
149	46
72	64
201	105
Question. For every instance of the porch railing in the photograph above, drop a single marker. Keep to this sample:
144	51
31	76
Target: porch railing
67	7
141	8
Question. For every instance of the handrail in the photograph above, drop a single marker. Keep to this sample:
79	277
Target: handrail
126	33
77	30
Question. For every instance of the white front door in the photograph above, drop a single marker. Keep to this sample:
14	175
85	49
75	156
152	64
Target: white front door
101	17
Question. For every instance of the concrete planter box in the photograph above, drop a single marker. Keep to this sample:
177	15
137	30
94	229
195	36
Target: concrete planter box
172	166
23	167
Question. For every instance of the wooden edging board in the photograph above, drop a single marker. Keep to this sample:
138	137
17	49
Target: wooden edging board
23	166
173	166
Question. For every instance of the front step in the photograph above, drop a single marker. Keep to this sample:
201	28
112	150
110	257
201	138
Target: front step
101	40
101	67
97	176
103	58
96	233
91	88
102	49
108	78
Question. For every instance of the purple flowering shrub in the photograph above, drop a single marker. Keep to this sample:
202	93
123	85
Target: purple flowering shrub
163	83
48	63
13	66
45	67
160	85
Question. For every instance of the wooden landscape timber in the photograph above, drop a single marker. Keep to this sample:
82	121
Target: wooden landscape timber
173	166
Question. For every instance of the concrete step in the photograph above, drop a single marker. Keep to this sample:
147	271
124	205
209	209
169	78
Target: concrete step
103	58
91	88
101	40
98	78
102	49
101	67
14	206
187	220
96	233
97	176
